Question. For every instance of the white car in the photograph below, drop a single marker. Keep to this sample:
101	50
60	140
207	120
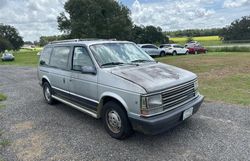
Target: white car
174	49
152	50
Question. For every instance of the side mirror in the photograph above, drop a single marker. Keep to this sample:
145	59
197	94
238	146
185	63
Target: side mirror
42	62
88	70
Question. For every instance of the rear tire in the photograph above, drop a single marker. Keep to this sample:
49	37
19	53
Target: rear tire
47	92
186	53
174	53
196	52
115	121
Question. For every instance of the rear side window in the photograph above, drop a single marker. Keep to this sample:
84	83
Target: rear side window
45	55
59	57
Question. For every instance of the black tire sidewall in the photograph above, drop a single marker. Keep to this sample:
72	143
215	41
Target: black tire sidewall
126	129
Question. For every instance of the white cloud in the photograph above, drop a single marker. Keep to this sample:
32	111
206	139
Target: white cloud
235	3
32	18
172	15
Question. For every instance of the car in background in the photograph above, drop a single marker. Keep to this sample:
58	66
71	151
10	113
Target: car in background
152	50
7	57
196	49
174	49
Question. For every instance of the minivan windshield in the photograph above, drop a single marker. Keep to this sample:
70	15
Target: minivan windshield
119	54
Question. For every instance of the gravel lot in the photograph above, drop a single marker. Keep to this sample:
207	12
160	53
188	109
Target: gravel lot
38	131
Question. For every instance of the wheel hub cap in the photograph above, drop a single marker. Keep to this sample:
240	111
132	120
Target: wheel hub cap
47	94
114	121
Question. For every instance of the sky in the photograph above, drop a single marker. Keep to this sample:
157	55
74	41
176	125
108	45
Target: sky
35	18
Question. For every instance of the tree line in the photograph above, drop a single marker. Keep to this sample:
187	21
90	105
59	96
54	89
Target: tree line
195	32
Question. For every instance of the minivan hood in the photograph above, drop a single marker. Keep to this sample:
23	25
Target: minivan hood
154	77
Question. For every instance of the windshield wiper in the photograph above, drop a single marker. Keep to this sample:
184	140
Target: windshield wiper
112	63
142	60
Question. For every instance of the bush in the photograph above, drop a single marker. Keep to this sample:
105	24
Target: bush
229	49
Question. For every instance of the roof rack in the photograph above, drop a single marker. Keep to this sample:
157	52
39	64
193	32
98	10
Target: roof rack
77	40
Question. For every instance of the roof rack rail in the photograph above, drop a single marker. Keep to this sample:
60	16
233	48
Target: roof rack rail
77	40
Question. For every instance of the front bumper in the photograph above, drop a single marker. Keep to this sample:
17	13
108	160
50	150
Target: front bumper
160	123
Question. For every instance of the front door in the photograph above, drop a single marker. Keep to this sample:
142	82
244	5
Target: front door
83	87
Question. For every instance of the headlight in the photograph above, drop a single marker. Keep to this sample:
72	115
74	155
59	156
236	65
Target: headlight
151	104
196	86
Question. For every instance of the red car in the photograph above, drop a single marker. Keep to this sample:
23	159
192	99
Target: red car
196	49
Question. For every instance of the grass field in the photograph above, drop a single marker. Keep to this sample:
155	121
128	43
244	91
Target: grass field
24	57
204	40
223	76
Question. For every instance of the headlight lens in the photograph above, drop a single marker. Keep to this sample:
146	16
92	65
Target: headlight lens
151	104
196	86
154	101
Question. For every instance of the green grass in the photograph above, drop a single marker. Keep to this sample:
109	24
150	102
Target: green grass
24	57
223	76
2	97
4	143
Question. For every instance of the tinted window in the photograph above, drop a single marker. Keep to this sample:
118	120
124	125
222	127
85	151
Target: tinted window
59	57
45	55
152	47
81	58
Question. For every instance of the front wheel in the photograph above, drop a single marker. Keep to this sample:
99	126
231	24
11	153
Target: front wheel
162	54
174	53
186	53
115	121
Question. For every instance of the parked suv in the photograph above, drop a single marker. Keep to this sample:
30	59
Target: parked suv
152	50
118	82
174	49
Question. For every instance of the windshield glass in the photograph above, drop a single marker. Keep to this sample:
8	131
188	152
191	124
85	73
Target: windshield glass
119	53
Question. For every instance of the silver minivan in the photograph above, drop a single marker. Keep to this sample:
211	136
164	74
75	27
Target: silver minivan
120	83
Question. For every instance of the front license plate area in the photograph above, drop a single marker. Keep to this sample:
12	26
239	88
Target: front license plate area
187	113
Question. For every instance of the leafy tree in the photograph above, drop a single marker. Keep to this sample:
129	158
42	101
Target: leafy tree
46	39
238	30
5	45
95	19
148	34
11	35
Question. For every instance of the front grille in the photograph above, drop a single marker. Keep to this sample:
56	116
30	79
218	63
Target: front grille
178	95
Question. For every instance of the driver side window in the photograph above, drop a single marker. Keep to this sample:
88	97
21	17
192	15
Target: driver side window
81	58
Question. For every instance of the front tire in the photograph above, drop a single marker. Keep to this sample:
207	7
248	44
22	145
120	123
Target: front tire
115	121
174	53
47	92
162	54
